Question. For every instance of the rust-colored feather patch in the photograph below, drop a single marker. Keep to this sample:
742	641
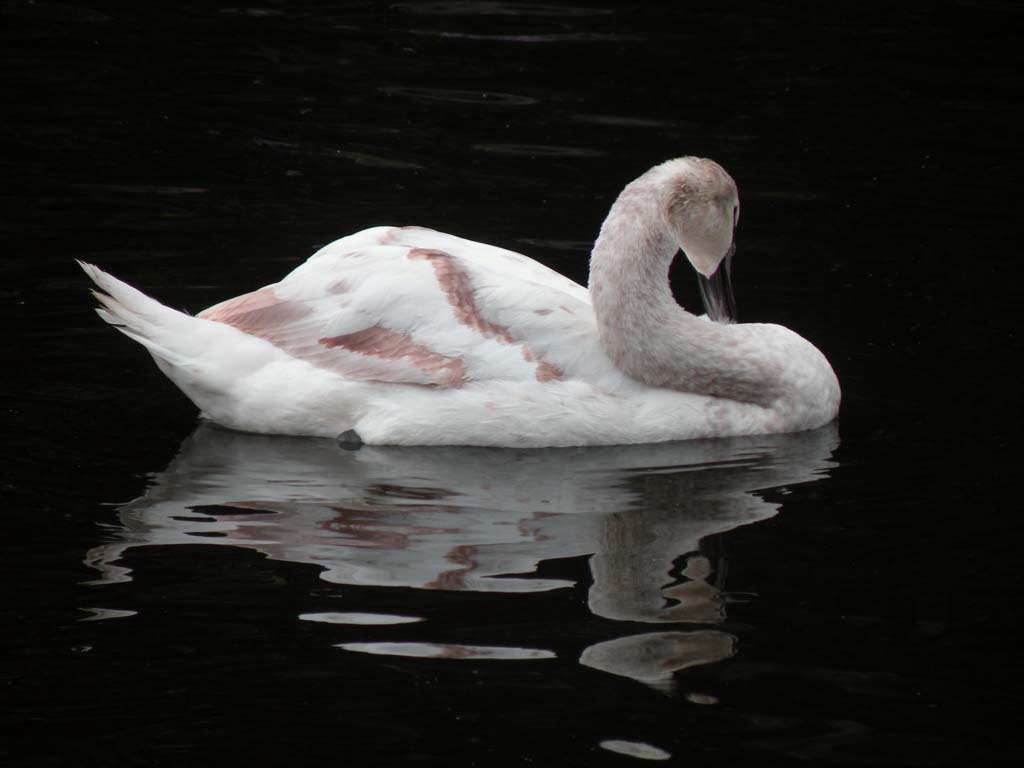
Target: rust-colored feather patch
547	372
257	313
390	345
458	290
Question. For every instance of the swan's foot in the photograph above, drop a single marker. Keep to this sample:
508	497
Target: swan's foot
350	440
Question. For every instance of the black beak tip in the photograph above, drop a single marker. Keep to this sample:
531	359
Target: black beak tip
716	291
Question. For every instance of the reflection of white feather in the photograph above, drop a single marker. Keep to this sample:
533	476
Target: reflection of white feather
454	518
653	657
466	518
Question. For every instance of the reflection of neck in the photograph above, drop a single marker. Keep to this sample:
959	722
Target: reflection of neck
643	330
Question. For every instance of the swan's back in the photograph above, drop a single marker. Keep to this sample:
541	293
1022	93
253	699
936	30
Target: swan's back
414	306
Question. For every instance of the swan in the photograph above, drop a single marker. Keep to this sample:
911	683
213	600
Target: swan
407	336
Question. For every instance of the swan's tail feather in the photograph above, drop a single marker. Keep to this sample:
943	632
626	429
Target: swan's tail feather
136	315
224	370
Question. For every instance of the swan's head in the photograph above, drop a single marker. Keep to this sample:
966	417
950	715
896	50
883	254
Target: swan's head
703	212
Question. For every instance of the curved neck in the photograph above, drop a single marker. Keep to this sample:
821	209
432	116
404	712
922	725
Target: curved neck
653	340
628	283
629	266
642	329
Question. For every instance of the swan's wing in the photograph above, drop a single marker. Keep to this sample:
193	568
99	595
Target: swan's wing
391	305
488	258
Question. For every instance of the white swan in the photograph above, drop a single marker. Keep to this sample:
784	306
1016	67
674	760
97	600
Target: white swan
409	336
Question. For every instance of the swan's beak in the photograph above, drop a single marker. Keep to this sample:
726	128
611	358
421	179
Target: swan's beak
716	291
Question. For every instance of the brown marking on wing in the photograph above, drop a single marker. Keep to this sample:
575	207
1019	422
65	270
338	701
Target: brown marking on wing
264	315
543	312
547	372
341	285
258	313
458	290
390	345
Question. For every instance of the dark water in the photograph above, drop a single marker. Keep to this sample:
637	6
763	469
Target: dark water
181	597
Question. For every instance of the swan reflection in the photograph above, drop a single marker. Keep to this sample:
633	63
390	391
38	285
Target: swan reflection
653	657
482	519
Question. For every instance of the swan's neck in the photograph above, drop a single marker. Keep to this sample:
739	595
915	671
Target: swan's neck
655	341
629	267
641	325
642	328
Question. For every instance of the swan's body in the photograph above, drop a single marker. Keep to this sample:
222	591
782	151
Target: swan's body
410	336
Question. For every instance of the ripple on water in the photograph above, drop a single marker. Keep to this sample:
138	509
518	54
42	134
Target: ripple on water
538	150
359	158
449	651
550	37
100	614
257	13
373	161
622	121
367	619
705	699
456	96
57	12
636	749
473	8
